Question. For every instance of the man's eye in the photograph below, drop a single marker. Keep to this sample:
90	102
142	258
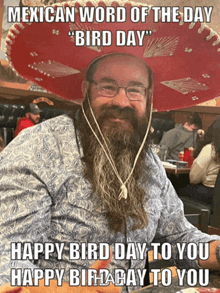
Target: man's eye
108	87
134	90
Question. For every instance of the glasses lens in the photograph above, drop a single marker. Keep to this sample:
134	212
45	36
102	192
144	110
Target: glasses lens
135	92
107	89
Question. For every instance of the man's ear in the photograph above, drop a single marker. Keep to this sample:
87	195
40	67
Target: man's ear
187	126
85	87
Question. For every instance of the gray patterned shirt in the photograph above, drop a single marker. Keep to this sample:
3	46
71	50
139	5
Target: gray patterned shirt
44	197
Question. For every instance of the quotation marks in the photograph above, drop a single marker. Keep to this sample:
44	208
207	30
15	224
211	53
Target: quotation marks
147	33
104	38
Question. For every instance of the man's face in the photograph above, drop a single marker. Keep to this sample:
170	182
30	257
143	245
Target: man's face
123	122
120	111
194	127
191	127
35	118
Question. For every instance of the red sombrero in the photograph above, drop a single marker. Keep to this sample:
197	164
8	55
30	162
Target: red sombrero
184	57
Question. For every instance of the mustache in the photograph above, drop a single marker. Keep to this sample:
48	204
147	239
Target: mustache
117	112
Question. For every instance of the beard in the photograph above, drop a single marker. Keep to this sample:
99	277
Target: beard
34	120
123	143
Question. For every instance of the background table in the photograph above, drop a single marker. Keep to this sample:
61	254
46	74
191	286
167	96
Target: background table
177	170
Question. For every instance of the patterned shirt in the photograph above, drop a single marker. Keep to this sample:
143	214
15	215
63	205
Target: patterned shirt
45	198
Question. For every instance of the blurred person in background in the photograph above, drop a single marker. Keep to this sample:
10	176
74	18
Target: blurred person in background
182	136
205	167
206	137
32	117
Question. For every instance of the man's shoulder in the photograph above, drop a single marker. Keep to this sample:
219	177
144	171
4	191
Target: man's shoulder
173	130
25	121
59	127
53	125
58	122
178	130
170	133
53	135
153	163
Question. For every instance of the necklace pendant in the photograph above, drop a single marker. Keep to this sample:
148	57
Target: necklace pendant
123	193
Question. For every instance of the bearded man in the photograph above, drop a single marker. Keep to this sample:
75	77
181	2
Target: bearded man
71	194
119	101
91	177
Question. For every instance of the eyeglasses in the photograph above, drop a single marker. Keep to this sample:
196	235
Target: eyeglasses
110	90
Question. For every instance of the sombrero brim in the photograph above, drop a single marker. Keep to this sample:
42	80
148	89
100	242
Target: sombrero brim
184	57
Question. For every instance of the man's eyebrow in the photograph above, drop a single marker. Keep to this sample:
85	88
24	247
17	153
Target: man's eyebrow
131	83
108	79
138	83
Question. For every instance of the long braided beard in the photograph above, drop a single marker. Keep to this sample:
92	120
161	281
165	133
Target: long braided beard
123	146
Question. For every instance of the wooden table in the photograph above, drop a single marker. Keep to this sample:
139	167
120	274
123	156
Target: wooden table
214	282
177	170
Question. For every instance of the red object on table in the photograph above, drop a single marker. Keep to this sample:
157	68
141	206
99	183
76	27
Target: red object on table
190	161
188	156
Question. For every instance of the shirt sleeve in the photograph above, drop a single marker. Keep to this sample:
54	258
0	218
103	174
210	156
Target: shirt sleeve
200	165
25	202
173	227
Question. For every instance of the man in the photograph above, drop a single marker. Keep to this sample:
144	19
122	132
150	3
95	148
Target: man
91	178
32	117
182	136
55	207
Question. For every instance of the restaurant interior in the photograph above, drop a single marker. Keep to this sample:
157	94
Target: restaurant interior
16	93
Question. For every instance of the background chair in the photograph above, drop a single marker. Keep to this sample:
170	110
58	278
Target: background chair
200	220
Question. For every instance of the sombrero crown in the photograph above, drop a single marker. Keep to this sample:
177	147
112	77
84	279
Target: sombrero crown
184	57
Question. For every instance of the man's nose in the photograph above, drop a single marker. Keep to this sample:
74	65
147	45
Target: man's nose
121	99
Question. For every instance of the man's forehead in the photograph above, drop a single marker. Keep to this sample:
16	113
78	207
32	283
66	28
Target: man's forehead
121	58
121	65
